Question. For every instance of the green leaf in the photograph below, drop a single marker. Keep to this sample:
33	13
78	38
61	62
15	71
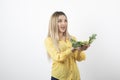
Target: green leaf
92	38
76	44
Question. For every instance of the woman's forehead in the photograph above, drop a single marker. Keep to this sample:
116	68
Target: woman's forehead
62	17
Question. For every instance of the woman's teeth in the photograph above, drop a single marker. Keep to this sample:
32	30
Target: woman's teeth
62	27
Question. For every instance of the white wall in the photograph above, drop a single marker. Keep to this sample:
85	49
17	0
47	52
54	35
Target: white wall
24	25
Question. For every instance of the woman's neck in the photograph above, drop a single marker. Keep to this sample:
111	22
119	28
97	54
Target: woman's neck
61	36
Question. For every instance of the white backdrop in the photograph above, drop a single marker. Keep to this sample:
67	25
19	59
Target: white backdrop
24	26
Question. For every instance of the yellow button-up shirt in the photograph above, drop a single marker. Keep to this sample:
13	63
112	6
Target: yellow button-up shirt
64	65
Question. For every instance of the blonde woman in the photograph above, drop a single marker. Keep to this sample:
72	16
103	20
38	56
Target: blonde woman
60	49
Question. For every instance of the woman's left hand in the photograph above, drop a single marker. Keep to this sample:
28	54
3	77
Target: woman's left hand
85	47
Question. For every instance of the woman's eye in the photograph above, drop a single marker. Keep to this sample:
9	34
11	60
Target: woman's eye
62	20
65	20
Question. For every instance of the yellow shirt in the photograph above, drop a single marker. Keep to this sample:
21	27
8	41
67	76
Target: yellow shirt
64	65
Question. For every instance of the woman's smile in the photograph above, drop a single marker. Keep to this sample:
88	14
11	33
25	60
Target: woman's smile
62	23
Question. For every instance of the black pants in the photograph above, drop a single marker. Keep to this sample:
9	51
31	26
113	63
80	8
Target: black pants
53	78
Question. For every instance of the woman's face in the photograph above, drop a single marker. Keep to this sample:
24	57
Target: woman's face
62	23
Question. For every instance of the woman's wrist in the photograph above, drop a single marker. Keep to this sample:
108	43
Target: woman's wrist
79	49
72	49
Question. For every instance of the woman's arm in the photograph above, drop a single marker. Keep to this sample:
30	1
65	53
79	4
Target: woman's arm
54	54
79	55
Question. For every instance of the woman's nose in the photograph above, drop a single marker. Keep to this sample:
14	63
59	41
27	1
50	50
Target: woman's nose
63	22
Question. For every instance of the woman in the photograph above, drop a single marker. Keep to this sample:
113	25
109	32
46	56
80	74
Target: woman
60	49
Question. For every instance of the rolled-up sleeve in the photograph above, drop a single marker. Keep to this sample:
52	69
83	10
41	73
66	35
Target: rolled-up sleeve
79	56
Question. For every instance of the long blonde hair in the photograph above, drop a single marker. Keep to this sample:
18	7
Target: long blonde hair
53	28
